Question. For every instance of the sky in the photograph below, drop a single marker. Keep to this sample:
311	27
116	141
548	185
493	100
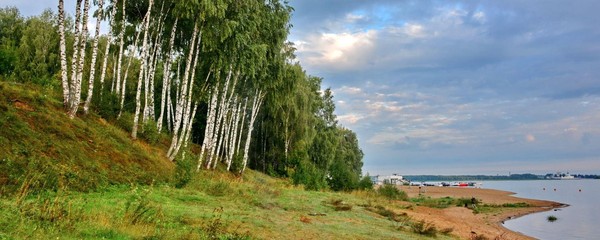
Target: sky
454	87
460	87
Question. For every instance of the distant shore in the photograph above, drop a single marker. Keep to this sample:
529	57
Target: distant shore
467	224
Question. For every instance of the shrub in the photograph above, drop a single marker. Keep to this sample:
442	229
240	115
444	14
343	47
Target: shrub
424	228
139	208
391	192
150	132
365	183
108	106
183	171
219	188
125	122
552	218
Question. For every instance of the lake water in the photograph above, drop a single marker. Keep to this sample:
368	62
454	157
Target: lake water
578	221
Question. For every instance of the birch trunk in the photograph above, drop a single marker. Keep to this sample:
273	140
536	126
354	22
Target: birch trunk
166	77
124	82
181	103
232	144
237	147
142	69
208	131
109	40
117	80
75	54
255	108
78	79
63	53
219	118
188	122
88	100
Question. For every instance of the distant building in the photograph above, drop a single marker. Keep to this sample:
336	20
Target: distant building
394	179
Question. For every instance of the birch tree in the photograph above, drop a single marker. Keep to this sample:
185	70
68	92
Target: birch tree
142	69
90	92
63	53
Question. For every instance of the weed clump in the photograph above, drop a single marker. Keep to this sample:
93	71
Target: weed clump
391	192
139	208
424	228
552	218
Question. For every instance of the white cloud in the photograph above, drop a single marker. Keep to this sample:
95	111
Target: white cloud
344	50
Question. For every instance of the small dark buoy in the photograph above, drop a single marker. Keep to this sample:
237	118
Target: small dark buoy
555	189
579	190
544	189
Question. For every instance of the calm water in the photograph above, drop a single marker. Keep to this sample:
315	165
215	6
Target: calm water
578	221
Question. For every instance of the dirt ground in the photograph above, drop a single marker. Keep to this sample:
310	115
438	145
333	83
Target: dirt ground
464	222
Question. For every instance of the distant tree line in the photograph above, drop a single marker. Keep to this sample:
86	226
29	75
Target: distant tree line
218	74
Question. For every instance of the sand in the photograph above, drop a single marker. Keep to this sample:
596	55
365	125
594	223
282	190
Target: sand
464	222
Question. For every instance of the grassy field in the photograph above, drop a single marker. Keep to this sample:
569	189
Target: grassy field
86	179
214	205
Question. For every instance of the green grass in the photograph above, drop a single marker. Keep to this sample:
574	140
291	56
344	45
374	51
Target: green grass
86	179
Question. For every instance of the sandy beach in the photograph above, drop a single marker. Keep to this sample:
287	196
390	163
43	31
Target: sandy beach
465	223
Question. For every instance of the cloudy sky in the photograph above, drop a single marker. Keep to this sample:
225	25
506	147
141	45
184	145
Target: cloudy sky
460	87
455	87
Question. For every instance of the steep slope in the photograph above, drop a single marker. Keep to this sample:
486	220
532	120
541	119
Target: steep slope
41	148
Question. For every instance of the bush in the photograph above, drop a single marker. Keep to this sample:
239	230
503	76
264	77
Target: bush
391	192
125	122
552	218
424	228
365	183
150	132
310	176
108	106
183	171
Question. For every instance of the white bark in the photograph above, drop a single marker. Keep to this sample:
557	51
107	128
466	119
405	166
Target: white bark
237	147
166	77
255	108
88	100
109	41
208	131
83	40
63	53
124	81
188	122
181	103
117	80
219	118
75	54
142	69
232	144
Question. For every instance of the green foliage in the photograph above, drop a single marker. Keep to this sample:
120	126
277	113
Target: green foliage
309	176
184	170
50	209
125	122
150	132
140	209
391	192
108	106
552	218
365	183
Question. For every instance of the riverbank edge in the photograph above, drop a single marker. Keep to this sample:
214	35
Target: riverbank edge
466	223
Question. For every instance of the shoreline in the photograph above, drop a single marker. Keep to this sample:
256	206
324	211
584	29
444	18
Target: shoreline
467	224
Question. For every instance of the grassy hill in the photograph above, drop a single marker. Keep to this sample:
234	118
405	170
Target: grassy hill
86	179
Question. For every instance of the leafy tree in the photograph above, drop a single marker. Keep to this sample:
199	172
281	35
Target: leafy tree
11	27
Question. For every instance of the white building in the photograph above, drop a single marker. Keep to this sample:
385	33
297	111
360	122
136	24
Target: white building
394	179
